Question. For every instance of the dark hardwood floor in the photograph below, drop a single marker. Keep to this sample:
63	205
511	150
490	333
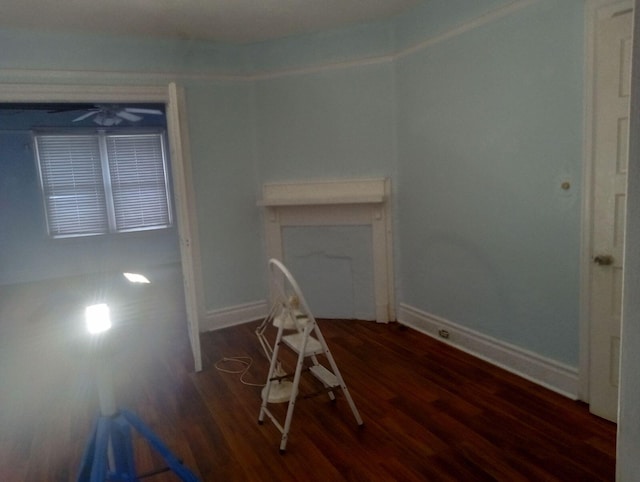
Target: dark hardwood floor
430	412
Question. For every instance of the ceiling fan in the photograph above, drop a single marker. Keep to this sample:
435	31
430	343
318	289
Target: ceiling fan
112	115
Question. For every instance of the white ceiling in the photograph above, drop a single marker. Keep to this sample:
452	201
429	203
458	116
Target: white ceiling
229	21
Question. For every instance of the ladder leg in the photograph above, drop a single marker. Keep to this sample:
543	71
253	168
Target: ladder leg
338	375
272	369
294	390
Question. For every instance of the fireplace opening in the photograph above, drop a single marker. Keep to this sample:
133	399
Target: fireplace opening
333	266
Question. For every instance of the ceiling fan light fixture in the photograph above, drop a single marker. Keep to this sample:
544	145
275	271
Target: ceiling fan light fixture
106	120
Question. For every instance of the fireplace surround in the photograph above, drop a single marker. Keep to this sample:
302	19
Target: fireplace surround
337	203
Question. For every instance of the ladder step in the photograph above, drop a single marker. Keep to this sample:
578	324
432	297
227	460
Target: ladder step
295	342
325	376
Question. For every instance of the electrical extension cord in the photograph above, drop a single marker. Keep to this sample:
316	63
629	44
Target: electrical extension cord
247	361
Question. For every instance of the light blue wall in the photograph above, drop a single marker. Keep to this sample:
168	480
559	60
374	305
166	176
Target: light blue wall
330	124
432	18
330	47
24	49
221	147
229	221
477	131
314	121
489	126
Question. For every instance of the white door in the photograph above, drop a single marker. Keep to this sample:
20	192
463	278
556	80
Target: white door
187	223
610	152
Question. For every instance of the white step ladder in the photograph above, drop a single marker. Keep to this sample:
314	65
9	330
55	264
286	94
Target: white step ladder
306	341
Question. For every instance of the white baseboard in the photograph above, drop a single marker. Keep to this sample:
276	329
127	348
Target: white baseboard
551	374
234	315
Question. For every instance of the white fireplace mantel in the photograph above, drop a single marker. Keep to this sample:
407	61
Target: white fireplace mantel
321	193
337	203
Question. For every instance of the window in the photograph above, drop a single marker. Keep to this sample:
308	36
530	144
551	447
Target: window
103	182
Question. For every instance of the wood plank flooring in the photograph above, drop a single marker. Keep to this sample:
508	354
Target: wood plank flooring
431	413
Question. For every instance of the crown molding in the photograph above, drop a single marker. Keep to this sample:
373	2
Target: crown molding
164	77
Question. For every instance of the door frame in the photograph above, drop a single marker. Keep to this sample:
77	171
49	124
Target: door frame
595	10
170	95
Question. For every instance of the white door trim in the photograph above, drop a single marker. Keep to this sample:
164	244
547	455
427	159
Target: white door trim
595	10
123	94
82	93
184	193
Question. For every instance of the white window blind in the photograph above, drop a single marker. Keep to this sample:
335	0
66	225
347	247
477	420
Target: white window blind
138	181
73	186
103	182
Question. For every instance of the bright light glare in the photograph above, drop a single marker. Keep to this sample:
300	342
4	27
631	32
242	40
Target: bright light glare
136	278
98	318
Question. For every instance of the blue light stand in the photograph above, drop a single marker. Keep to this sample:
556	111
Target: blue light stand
109	453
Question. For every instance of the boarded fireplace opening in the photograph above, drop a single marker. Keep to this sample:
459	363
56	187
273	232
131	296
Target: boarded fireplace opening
333	264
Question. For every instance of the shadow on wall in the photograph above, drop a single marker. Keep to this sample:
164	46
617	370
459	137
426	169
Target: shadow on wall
459	274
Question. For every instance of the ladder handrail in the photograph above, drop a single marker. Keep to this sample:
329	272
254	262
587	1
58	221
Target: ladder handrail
273	262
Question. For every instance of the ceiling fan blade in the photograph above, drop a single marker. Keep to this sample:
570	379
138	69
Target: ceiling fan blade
128	116
85	116
138	110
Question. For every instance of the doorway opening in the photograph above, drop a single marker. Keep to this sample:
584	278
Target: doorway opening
172	98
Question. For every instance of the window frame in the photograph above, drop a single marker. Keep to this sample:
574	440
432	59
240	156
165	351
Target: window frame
102	135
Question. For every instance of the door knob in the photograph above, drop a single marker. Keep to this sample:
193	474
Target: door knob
603	260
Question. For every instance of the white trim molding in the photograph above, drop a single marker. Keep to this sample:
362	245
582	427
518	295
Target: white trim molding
234	315
11	75
556	376
53	75
24	92
467	26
